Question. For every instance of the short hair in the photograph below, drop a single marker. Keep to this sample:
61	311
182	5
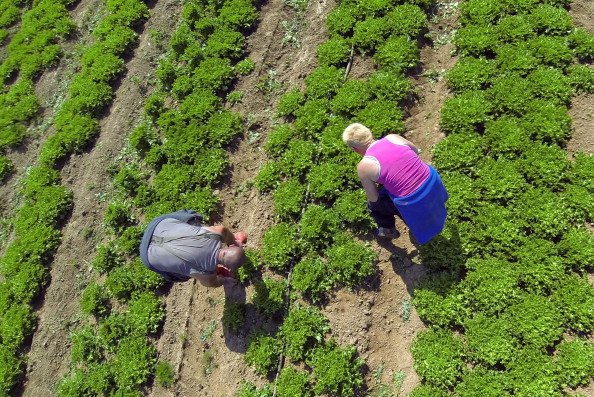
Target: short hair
234	257
357	135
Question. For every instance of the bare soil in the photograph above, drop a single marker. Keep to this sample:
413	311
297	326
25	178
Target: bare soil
370	318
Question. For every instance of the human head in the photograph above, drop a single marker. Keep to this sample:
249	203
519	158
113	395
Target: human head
357	136
232	257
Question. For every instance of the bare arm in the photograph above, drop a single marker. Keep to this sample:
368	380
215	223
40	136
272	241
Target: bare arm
228	237
368	173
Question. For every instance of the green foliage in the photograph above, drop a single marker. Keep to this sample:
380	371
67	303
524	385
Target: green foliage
341	20
86	346
547	122
133	362
489	339
574	297
234	316
293	383
335	51
279	139
466	113
397	53
253	262
582	43
245	66
516	58
328	179
11	369
459	152
532	372
323	82
483	382
288	199
118	216
406	20
164	374
95	300
214	73
336	371
500	180
250	390
263	352
536	321
471	73
289	103
581	78
423	390
576	359
515	28
318	226
545	165
577	249
491	285
16	324
350	261
382	117
369	33
302	330
299	157
439	357
280	245
539	265
312	118
551	51
106	259
543	213
269	296
312	277
351	209
438	301
550	20
506	137
145	313
389	86
352	96
475	40
481	12
510	94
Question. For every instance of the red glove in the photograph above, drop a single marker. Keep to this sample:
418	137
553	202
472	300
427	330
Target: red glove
240	237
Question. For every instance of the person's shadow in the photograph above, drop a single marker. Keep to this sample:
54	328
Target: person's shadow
235	315
442	253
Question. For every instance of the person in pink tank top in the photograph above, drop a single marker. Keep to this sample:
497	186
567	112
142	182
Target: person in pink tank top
393	162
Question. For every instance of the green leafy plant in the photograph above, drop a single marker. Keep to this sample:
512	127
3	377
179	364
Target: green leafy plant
288	199
466	113
280	245
576	360
398	53
350	261
263	352
293	383
336	371
164	374
311	277
269	296
95	300
234	316
302	330
439	357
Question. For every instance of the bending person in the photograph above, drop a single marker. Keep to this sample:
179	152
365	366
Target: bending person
179	246
412	189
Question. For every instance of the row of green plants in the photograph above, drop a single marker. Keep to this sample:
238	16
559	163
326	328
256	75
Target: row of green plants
176	156
32	49
508	300
46	203
318	202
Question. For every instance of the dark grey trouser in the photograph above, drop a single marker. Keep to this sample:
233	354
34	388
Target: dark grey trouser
383	211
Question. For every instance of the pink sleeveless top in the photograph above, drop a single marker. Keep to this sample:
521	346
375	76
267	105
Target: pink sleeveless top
402	171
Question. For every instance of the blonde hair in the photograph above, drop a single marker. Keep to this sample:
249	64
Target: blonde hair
357	135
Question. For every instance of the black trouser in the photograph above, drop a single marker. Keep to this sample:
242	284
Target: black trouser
383	211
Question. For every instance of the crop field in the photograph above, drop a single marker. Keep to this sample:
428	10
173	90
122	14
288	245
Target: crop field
116	111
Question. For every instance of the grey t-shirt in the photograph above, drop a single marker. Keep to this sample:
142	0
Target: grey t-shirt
188	253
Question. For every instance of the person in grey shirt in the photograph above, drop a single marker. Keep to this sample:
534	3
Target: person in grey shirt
180	249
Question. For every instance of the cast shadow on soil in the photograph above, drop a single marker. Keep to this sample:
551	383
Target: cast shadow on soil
439	254
235	341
